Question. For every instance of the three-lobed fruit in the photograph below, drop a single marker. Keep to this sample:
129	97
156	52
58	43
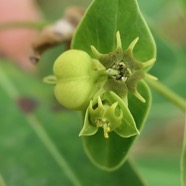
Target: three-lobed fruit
75	75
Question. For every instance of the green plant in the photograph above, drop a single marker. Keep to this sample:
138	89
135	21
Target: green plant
100	86
108	82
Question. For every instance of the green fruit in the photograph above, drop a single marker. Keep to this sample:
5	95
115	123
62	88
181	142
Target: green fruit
75	79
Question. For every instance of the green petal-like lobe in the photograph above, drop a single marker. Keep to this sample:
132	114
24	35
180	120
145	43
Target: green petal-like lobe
88	129
127	128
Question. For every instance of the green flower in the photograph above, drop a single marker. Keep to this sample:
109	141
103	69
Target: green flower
99	87
124	69
110	113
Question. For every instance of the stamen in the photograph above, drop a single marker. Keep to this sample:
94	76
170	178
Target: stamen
106	135
106	129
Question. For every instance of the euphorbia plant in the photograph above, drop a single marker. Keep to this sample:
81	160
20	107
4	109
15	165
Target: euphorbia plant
106	84
103	77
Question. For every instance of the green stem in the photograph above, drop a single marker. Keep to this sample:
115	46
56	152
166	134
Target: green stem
23	24
14	94
167	93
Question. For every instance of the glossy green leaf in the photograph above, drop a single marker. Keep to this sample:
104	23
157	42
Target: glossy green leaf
25	160
109	154
98	28
104	18
183	160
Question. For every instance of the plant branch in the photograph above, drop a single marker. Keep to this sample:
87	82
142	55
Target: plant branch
167	93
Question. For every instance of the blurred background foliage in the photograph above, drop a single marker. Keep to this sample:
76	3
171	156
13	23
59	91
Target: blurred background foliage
25	161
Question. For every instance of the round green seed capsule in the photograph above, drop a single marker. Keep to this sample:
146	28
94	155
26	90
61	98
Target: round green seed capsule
75	79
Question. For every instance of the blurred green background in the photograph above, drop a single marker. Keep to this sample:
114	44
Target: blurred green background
24	159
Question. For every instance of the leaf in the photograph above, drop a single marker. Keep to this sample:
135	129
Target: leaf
104	18
160	169
98	28
109	154
26	161
183	160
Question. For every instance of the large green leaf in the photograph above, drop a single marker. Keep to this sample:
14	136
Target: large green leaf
25	160
104	18
98	28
